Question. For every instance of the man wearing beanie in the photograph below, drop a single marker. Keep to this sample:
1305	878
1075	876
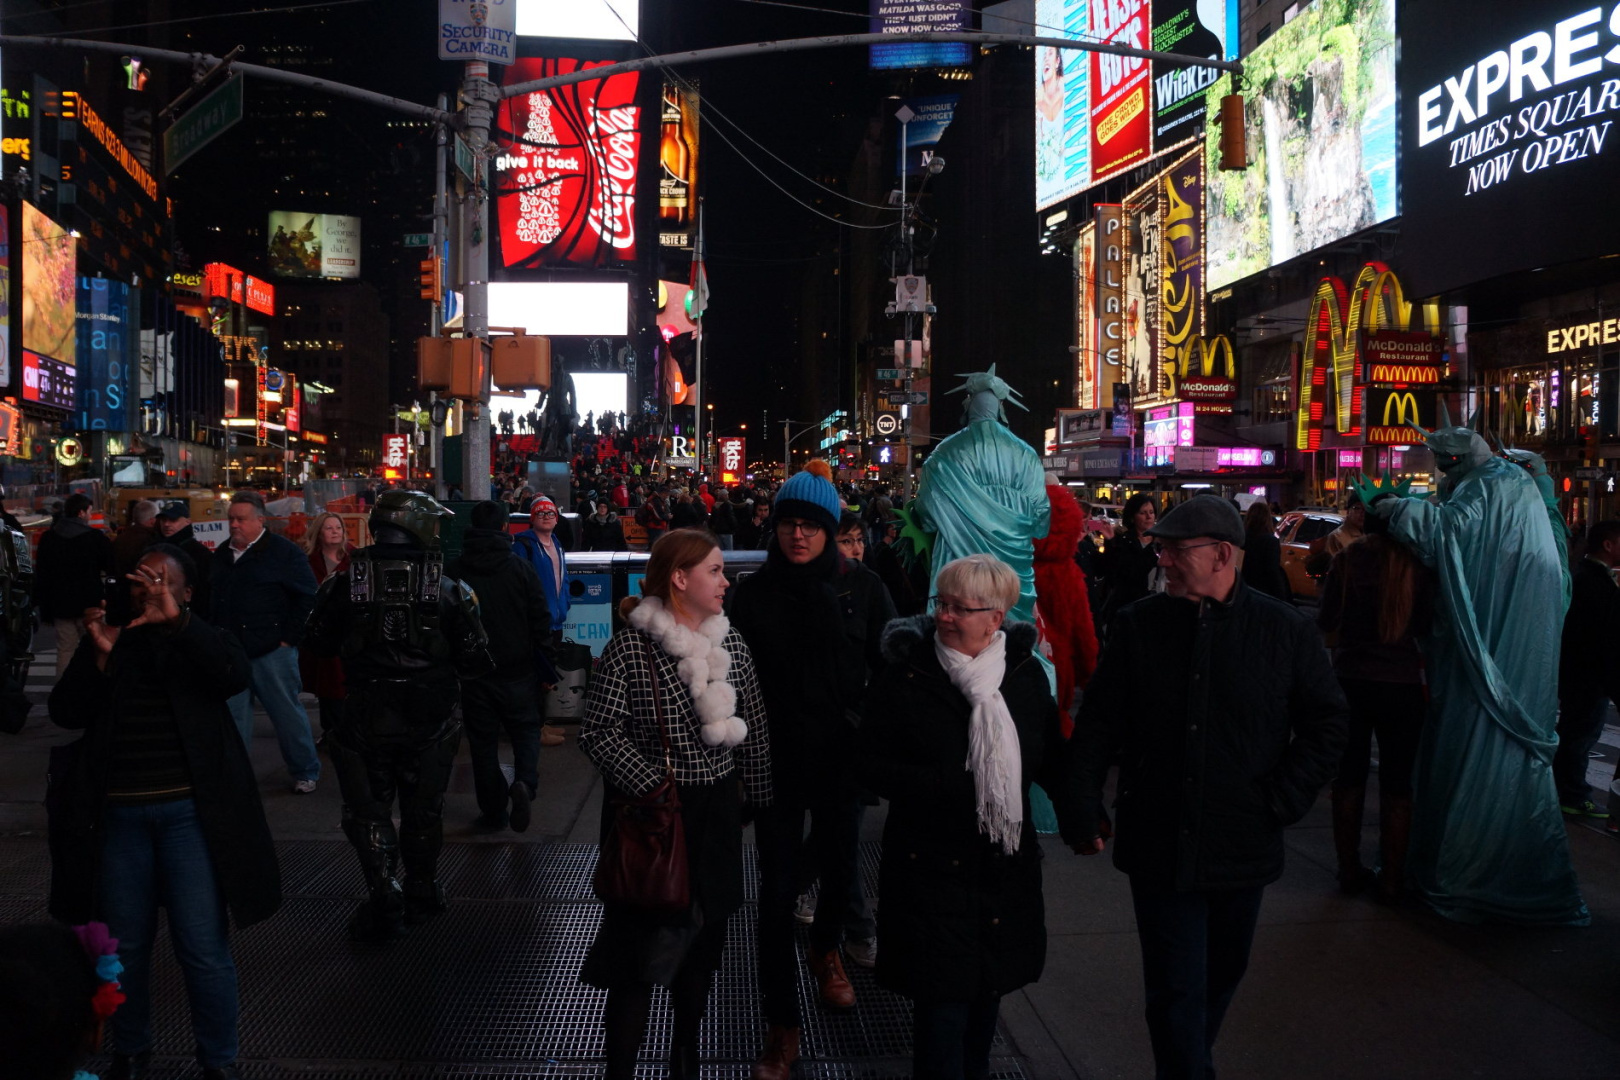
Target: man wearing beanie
539	546
813	650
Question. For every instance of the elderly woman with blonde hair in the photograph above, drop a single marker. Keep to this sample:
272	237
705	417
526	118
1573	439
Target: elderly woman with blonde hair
957	725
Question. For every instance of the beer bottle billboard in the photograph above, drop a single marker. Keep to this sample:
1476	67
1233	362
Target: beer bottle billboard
677	172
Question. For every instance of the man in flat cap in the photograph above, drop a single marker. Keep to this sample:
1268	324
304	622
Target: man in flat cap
1243	725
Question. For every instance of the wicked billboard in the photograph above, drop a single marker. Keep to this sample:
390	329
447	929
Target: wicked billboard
1508	152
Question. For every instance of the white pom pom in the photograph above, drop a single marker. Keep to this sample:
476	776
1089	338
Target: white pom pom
694	671
725	695
710	706
738	731
716	734
719	664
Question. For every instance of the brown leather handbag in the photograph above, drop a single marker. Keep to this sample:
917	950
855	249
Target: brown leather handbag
642	865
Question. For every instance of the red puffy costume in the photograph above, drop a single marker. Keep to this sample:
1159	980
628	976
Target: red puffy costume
1062	605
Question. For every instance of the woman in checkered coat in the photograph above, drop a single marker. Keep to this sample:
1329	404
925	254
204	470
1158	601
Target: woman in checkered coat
715	719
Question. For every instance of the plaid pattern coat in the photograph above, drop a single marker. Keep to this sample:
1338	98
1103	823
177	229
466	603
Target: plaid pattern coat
620	729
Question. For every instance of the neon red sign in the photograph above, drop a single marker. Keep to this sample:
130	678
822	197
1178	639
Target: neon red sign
565	177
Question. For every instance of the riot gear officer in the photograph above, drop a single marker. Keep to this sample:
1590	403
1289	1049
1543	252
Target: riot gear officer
406	634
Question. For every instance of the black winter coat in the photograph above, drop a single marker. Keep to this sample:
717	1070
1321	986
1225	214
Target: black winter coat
959	918
73	562
265	597
1229	721
1262	566
1127	569
511	604
202	667
1586	658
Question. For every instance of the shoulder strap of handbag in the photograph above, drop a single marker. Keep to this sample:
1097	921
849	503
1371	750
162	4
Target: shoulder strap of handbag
658	704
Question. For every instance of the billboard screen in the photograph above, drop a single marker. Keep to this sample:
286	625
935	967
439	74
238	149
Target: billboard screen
304	245
1507	147
677	166
1320	112
5	297
898	16
562	308
1143	259
1181	310
581	20
1198	28
1062	104
49	290
1121	92
565	175
922	135
105	338
47	380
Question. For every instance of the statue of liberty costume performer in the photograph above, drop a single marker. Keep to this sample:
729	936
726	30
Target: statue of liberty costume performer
983	491
1488	840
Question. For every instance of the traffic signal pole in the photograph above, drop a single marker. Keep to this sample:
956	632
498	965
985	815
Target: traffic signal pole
478	98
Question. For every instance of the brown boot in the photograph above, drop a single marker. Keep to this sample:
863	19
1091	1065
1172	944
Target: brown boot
1396	832
781	1051
1347	806
828	968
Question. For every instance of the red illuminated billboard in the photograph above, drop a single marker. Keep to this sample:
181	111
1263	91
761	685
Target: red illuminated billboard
1121	89
733	460
565	174
259	295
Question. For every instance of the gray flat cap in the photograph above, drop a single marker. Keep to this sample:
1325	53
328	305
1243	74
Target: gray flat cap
1202	515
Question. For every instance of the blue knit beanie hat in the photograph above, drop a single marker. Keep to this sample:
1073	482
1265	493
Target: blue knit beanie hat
810	498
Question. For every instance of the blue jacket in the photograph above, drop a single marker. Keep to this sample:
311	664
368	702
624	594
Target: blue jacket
265	597
527	546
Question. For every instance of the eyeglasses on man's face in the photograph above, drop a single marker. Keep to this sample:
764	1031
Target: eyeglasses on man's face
790	526
1173	551
956	610
544	513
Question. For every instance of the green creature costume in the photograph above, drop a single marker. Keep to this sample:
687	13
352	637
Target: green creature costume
1488	840
983	491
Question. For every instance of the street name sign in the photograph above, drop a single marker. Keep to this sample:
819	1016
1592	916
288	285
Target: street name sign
213	115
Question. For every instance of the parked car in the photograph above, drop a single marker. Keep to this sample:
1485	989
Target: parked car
1296	530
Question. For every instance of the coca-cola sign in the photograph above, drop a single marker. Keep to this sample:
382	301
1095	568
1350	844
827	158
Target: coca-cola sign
565	169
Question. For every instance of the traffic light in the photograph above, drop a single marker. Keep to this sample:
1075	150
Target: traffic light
432	278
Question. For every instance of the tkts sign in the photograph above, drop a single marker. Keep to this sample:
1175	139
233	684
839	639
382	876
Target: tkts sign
733	460
565	177
1332	353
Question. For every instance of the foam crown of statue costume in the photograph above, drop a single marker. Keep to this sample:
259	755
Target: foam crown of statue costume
986	392
1383	485
1455	447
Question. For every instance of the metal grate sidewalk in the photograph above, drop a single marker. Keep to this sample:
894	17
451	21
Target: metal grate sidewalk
487	990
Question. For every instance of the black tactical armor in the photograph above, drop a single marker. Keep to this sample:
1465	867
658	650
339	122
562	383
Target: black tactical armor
407	635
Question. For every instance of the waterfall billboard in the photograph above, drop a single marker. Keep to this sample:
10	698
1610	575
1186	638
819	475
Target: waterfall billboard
1320	112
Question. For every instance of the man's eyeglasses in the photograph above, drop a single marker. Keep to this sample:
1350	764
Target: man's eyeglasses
544	513
955	610
791	526
1175	551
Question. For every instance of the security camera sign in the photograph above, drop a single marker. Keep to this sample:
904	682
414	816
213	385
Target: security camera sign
478	30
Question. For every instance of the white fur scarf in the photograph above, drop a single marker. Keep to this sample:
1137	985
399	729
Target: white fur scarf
702	662
993	753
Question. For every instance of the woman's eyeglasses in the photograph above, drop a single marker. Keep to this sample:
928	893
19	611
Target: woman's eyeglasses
955	610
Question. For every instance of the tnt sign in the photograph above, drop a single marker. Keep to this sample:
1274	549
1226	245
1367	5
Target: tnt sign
393	451
733	460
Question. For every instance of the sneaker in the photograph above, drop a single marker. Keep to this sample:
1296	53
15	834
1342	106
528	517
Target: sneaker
521	796
303	787
805	909
1586	808
862	952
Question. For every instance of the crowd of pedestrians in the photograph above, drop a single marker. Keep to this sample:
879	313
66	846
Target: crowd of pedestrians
831	677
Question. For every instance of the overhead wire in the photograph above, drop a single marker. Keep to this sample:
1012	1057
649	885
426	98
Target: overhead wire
687	85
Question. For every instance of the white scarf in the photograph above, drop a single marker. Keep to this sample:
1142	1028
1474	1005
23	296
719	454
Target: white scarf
993	753
702	663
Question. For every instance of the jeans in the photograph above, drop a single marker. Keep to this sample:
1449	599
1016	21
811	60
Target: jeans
1195	949
489	706
274	680
859	925
1394	712
779	835
155	853
1580	722
950	1040
68	634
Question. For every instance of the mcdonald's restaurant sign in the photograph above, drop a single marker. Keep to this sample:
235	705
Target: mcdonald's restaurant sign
1329	389
1207	375
1391	410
